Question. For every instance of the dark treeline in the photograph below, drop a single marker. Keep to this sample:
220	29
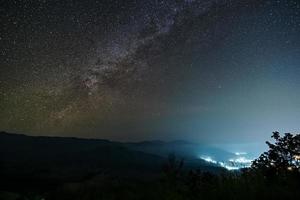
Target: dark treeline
274	175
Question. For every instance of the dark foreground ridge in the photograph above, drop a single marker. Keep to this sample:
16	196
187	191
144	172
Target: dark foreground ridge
36	163
88	169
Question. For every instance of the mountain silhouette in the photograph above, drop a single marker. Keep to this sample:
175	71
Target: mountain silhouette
28	161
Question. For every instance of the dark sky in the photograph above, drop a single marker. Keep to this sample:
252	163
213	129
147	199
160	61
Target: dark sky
221	71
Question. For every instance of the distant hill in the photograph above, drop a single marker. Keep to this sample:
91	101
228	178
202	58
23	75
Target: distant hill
47	160
28	161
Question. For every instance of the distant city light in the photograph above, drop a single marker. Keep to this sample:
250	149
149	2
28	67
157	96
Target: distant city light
231	164
240	153
222	164
208	159
240	160
231	167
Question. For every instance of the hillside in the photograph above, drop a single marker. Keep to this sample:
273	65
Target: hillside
52	160
49	161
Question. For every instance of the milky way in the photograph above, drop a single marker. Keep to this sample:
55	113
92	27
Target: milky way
131	70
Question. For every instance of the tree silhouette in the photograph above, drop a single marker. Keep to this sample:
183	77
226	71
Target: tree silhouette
282	157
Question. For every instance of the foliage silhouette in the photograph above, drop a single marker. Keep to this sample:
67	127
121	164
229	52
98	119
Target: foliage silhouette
283	157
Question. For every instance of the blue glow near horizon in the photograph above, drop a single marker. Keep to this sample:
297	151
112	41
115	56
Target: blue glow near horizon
208	159
240	153
231	164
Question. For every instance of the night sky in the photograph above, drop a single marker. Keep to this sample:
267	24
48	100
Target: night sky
211	71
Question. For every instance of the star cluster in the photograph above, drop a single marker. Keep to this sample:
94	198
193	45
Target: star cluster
132	70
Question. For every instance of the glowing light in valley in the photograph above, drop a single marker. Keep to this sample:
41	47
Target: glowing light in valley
242	160
231	164
231	167
208	159
240	153
221	164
